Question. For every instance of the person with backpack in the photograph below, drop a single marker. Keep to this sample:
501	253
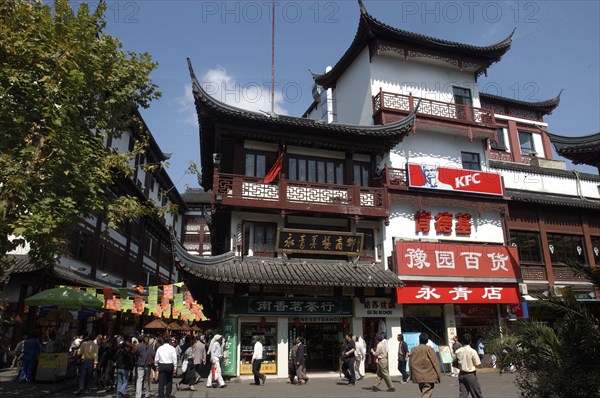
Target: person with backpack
124	362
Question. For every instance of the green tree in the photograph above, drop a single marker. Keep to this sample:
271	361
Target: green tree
555	363
66	89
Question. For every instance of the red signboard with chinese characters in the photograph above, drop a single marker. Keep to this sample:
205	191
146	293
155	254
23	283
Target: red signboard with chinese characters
452	179
452	259
457	293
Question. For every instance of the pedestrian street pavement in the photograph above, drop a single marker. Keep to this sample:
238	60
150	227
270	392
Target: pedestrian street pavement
493	384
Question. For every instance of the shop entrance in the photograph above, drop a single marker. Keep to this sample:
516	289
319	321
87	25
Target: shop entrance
322	341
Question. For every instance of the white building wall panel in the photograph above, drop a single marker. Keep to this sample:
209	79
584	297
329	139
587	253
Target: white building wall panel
393	74
549	184
353	93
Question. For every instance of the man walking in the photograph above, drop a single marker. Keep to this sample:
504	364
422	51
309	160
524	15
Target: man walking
402	358
199	352
424	367
166	362
144	358
257	357
468	362
88	354
349	359
300	361
455	346
381	353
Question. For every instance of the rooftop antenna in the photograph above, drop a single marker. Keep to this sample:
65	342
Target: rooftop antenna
273	56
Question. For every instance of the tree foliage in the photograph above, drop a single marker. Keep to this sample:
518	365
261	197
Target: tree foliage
555	363
66	89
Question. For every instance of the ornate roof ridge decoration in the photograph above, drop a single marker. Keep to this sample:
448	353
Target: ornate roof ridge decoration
553	199
499	164
370	28
272	271
209	103
547	105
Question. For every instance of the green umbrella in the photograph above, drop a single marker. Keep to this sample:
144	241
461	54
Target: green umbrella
64	297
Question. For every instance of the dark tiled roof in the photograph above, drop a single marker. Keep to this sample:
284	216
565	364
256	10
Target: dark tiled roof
369	28
546	106
271	125
196	196
228	268
525	168
583	149
551	199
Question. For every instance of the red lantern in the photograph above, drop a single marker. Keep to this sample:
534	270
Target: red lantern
345	323
296	323
262	323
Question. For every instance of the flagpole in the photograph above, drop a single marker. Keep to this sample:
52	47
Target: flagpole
273	56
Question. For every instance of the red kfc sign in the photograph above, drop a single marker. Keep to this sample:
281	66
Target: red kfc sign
458	293
451	259
449	179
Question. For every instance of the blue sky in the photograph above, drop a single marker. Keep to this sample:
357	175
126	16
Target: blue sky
556	46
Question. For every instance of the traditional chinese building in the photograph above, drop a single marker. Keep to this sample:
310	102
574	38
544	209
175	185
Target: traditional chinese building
315	220
298	214
447	230
137	253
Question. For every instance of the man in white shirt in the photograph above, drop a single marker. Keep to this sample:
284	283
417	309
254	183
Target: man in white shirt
468	362
257	358
165	360
381	353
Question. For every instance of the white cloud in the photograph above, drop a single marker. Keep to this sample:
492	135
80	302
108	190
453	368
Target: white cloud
252	96
186	106
218	83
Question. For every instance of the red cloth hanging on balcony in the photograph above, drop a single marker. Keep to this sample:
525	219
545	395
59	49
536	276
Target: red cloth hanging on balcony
274	172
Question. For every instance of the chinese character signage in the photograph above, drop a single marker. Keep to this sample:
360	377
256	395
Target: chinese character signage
451	259
376	307
458	293
319	242
444	222
287	306
230	346
451	179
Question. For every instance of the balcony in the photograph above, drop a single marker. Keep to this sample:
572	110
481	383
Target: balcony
238	190
389	107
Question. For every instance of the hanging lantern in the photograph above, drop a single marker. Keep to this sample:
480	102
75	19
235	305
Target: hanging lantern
262	323
297	323
345	323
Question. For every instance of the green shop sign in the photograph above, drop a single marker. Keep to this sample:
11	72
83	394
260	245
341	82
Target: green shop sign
230	346
287	306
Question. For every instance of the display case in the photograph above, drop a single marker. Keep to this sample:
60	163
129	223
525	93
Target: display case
268	332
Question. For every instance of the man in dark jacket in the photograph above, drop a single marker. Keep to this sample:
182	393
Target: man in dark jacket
424	366
300	361
349	358
144	358
402	357
124	364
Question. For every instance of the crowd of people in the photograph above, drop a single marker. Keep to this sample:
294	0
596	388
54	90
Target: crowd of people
111	363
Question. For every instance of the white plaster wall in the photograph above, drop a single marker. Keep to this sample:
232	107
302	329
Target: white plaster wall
353	93
393	330
282	347
434	148
549	184
486	228
538	145
434	82
121	143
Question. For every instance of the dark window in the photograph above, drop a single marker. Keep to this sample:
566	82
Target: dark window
499	144
256	164
361	174
315	170
368	250
470	161
526	143
462	96
596	249
566	248
528	245
264	238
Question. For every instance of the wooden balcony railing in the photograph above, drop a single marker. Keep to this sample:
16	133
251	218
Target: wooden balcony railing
238	190
533	273
391	102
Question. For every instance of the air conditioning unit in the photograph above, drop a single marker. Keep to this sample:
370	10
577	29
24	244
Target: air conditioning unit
523	288
558	291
